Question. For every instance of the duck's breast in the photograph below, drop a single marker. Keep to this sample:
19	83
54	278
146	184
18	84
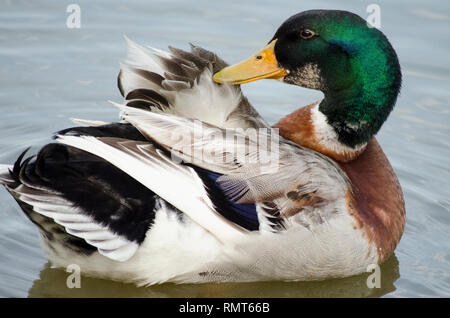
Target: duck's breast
376	201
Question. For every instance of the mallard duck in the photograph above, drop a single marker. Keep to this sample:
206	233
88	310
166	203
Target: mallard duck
192	185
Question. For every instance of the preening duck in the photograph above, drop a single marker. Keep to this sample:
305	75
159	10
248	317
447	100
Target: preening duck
192	185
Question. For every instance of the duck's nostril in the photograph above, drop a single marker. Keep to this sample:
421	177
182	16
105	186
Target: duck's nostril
258	57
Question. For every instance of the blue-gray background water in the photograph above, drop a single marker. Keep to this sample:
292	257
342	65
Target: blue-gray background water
50	73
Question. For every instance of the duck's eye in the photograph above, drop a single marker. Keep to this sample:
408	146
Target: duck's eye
307	34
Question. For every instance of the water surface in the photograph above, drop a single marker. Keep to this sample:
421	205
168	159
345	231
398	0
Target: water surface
50	73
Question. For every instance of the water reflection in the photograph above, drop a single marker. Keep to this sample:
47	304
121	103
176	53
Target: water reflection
52	283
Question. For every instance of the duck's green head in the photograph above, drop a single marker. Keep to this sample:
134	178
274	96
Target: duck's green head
353	64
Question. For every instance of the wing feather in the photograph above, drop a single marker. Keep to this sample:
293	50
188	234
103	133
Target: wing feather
303	177
175	183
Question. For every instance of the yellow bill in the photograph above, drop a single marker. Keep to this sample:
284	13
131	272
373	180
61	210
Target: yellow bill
261	65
